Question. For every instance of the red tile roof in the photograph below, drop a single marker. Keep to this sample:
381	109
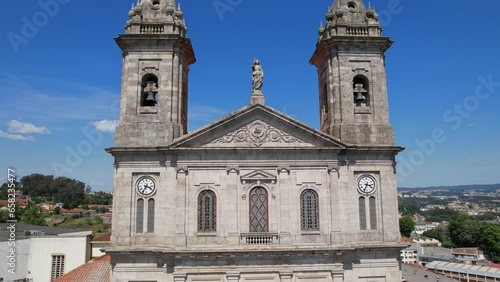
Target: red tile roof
106	237
21	202
494	265
96	270
76	210
407	240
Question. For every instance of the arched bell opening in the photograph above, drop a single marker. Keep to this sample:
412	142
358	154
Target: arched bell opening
149	93
361	91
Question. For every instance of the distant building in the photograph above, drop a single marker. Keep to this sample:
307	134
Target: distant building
431	254
465	272
99	243
420	228
428	242
411	254
467	255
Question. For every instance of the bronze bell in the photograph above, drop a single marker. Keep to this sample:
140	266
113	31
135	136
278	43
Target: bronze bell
360	97
150	100
151	89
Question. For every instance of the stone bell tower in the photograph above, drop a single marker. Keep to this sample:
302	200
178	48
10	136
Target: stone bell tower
156	58
352	78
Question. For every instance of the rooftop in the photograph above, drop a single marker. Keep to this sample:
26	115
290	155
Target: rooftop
96	270
24	230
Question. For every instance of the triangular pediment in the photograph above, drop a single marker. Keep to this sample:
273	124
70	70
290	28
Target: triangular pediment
258	176
257	126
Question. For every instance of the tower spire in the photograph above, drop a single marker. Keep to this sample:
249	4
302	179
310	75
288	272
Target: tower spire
157	55
351	70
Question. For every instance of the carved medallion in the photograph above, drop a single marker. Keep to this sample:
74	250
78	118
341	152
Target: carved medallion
257	133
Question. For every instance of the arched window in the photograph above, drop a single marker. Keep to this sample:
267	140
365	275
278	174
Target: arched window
373	213
149	93
309	210
207	211
361	91
151	216
139	225
258	210
362	213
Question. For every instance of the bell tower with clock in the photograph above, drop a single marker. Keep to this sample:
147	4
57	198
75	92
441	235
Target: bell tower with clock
351	75
156	59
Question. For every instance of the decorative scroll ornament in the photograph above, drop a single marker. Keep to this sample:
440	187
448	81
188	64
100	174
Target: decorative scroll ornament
258	133
234	168
181	169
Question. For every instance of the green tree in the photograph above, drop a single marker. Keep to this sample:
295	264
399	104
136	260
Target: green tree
98	219
439	215
408	206
465	231
34	216
490	240
37	185
437	233
406	226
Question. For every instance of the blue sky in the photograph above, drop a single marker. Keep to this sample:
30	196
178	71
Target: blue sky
60	83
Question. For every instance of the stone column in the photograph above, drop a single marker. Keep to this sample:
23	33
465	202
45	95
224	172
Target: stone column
284	184
175	85
230	218
180	215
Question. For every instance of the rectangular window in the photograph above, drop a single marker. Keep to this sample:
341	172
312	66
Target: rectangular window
373	213
57	267
140	216
362	213
151	216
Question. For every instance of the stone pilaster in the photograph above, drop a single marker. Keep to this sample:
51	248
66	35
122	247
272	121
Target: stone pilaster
232	222
284	184
180	218
334	185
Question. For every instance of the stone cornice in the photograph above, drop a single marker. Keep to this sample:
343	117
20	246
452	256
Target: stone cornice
257	249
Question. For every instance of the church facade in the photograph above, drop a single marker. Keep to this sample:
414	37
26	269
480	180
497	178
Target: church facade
255	195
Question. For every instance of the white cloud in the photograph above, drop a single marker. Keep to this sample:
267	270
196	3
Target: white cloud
16	136
24	127
105	125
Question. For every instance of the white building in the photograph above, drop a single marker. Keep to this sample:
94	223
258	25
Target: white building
44	253
411	254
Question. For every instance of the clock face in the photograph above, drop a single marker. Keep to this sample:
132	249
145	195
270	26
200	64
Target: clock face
146	186
366	184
